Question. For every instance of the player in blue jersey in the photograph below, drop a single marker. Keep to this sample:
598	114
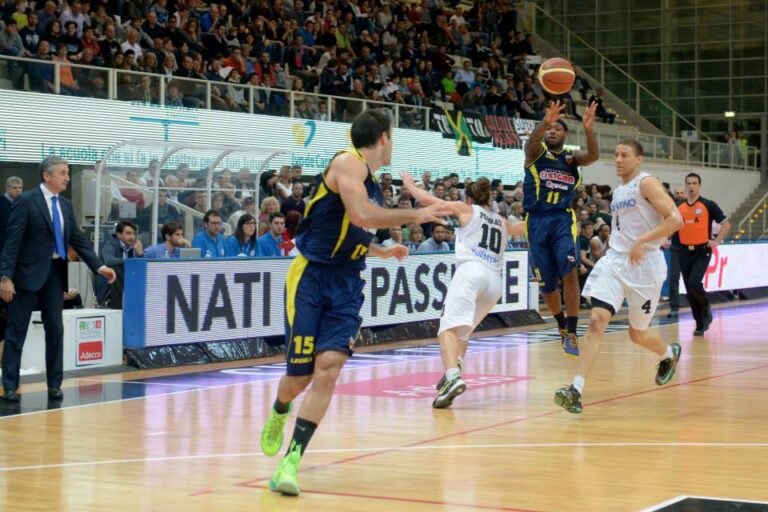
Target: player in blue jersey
324	291
551	176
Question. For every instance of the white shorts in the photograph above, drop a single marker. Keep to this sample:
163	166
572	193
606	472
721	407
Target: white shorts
474	291
614	278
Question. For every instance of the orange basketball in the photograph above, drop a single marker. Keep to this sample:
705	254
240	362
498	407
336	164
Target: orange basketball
556	75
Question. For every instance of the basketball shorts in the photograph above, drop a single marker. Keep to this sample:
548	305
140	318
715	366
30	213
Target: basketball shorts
552	242
614	279
322	312
474	290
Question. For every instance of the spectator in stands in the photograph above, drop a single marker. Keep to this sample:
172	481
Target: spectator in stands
31	35
505	206
210	241
123	245
435	243
243	243
249	207
269	206
47	14
10	40
395	236
14	186
415	236
295	201
269	243
283	183
465	76
74	13
267	182
599	243
173	241
601	112
603	212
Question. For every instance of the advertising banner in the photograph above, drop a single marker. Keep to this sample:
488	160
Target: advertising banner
191	301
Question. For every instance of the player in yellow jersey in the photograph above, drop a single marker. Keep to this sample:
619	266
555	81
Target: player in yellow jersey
324	291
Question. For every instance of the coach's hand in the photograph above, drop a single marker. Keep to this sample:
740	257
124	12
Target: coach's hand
7	290
108	273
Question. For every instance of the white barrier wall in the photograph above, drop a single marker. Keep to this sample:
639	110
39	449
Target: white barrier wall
726	187
170	302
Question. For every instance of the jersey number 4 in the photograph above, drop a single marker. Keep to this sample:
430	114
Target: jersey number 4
491	239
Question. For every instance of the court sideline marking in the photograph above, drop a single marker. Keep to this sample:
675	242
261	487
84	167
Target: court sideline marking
173	458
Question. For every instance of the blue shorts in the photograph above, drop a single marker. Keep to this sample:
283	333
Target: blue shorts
552	241
322	312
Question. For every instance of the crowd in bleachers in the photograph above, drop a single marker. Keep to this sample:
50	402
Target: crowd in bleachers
267	229
408	53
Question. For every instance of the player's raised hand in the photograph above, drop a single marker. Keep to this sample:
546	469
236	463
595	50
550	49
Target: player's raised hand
407	180
436	213
588	118
554	112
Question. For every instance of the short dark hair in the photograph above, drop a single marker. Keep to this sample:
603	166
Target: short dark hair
169	228
124	224
693	175
369	126
211	213
562	123
635	145
276	215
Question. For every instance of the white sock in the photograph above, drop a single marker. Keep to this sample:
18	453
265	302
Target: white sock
451	373
460	361
668	354
578	383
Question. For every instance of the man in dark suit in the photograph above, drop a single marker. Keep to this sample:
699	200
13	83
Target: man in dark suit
33	270
121	246
13	189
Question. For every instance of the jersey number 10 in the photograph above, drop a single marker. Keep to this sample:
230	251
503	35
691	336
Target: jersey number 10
491	239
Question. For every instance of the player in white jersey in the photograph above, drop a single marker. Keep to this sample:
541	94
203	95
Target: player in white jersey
476	285
644	216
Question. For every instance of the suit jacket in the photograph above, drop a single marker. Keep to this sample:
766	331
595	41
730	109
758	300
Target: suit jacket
5	213
30	241
112	252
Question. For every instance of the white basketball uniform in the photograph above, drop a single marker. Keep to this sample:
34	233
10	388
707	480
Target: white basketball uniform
476	286
615	278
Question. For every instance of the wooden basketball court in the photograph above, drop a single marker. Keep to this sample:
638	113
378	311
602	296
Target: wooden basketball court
188	439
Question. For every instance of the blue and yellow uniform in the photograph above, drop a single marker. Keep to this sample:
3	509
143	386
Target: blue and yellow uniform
323	289
548	189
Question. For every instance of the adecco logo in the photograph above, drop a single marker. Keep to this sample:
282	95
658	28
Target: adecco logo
90	352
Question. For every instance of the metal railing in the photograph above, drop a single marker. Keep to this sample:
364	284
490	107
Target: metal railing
68	78
122	85
613	77
666	149
754	225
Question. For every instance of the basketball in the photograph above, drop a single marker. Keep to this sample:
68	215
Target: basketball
556	75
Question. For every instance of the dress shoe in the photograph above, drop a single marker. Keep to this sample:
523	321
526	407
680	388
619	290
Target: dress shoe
55	394
672	313
698	332
11	395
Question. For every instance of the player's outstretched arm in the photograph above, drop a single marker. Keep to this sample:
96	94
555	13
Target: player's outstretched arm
460	209
592	153
393	251
348	176
533	146
654	192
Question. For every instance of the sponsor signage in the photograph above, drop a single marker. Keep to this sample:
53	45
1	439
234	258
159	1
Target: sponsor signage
90	340
31	134
735	267
176	302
